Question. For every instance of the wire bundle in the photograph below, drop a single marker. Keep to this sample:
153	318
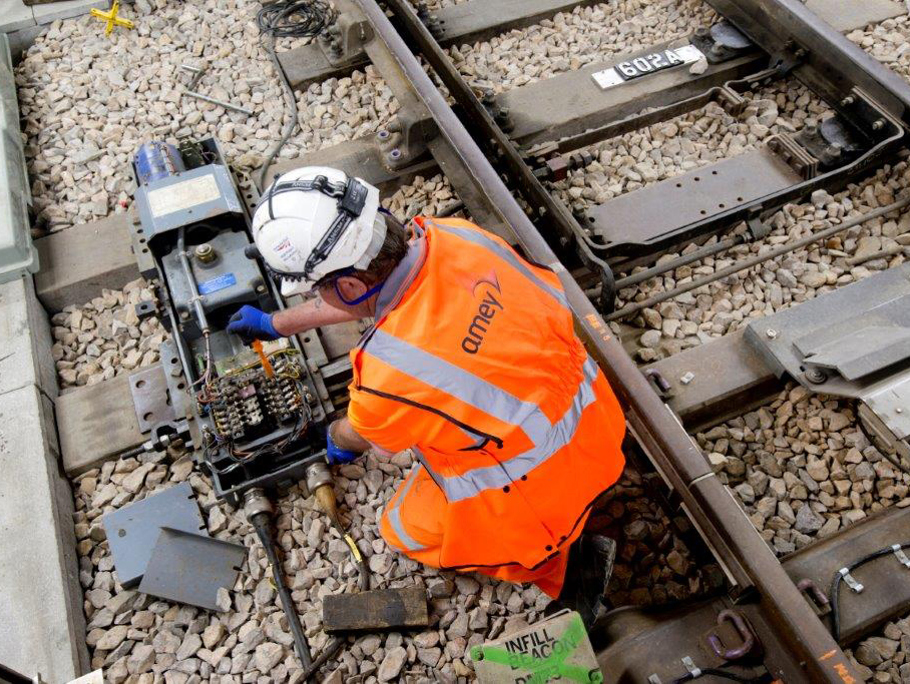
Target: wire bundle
295	18
290	19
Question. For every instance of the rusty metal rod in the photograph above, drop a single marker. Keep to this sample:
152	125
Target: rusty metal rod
670	447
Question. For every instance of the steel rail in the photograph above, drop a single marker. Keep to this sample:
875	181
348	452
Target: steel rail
824	59
815	655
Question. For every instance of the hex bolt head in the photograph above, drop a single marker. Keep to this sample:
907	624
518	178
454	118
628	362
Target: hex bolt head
815	376
878	125
847	101
771	333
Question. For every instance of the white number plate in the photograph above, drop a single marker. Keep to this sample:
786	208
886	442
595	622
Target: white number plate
647	64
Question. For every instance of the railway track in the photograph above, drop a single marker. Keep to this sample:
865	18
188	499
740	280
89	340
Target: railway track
581	156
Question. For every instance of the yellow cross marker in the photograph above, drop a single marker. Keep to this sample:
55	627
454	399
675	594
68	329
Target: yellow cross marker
111	18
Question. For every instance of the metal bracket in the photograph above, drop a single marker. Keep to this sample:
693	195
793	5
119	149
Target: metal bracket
722	42
854	342
345	39
405	139
857	587
815	596
690	666
901	556
749	640
151	398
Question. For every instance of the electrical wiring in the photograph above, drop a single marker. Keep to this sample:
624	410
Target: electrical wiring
838	578
289	19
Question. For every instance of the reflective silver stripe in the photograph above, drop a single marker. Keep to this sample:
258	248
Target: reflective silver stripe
395	514
461	384
473	482
506	254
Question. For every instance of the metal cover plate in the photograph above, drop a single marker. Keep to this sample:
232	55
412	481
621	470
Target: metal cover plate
664	209
132	531
789	340
189	568
646	65
555	649
151	398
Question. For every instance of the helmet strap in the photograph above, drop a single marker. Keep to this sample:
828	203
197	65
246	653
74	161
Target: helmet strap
362	298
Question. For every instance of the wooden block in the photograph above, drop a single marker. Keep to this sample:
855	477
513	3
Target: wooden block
375	610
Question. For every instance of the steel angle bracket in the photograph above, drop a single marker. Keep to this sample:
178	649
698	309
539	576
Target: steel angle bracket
854	343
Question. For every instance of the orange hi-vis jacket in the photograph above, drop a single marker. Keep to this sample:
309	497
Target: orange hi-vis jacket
473	363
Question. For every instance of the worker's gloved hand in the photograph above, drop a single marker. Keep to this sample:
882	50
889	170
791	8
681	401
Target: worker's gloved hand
335	454
252	324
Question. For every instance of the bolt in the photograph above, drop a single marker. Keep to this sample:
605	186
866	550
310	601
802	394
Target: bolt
205	253
878	124
847	101
815	376
802	52
898	410
687	378
184	315
261	289
771	333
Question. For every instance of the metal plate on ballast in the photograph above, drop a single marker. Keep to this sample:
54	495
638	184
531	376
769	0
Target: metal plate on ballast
645	65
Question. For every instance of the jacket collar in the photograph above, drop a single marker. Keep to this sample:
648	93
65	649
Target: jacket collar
403	275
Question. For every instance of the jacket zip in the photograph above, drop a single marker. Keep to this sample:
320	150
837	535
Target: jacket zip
442	414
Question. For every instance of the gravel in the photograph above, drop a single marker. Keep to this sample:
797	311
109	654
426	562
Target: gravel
104	337
802	468
132	634
886	656
88	101
571	40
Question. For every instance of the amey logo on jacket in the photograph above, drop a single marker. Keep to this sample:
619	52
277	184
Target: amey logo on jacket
489	291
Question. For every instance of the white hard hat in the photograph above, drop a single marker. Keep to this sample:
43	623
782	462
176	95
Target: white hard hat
316	220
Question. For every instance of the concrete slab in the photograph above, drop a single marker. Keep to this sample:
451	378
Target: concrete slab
43	629
846	16
25	357
15	15
49	12
74	267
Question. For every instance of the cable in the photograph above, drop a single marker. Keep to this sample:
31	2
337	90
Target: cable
261	522
289	19
838	577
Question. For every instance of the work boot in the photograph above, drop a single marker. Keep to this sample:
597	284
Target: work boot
587	575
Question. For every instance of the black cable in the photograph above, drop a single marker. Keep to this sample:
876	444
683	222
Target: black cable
261	522
289	19
838	577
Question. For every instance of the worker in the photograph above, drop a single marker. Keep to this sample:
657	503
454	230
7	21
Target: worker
472	363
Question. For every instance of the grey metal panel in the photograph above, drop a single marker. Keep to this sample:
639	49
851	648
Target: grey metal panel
666	208
788	339
186	197
133	531
189	568
150	398
17	254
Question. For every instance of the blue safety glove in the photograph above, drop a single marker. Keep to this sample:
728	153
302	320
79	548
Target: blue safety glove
334	454
252	324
